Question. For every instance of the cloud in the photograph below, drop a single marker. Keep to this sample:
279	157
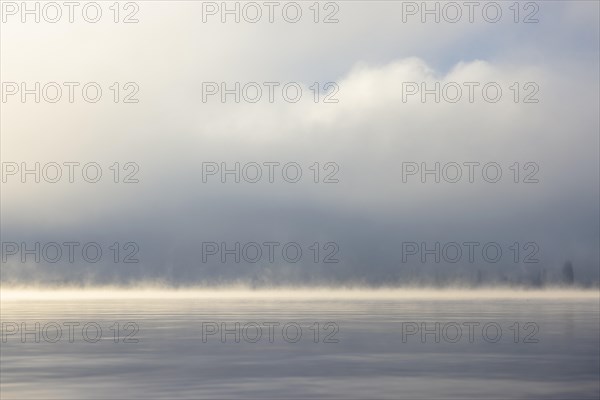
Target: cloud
368	134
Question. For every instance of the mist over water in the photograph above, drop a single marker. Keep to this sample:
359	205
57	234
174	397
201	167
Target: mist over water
311	199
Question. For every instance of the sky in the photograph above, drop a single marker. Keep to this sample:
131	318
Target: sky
369	207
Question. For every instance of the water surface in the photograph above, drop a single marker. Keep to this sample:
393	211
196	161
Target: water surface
359	351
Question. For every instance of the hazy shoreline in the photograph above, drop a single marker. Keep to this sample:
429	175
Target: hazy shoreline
305	293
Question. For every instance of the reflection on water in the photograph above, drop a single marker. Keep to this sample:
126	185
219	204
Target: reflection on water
348	346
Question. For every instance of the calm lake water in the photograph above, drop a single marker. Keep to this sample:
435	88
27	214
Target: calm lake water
354	346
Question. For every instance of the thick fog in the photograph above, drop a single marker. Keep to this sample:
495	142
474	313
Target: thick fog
375	217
